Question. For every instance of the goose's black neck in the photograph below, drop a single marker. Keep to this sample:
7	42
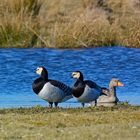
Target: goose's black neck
78	88
39	82
44	74
81	78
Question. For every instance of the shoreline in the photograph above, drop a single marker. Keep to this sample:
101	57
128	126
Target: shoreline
88	108
72	48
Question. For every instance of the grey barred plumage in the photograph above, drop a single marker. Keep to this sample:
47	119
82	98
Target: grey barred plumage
109	98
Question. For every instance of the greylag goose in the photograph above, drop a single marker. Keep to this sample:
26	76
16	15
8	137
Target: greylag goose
85	91
50	90
109	98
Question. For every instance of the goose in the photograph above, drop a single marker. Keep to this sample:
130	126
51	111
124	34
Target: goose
110	98
52	91
85	91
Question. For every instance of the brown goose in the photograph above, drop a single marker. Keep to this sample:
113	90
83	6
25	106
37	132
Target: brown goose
109	98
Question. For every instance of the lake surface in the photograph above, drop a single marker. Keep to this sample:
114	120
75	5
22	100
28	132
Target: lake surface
17	72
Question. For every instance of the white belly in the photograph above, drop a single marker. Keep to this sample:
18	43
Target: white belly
51	93
90	94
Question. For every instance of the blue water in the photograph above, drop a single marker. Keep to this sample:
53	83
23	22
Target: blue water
17	72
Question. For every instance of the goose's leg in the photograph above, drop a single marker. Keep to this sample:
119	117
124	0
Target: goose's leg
56	104
83	104
95	102
50	104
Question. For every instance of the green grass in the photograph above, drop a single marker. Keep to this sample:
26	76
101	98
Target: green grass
118	123
69	24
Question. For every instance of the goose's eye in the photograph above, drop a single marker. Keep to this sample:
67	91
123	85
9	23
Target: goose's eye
73	74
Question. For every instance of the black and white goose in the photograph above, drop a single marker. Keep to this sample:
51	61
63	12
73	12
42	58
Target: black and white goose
85	91
50	90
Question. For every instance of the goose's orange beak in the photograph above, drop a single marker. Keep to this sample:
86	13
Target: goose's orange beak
120	84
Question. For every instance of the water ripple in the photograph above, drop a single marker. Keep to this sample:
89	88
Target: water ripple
100	64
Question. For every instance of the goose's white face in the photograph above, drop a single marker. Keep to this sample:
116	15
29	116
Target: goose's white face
39	70
76	75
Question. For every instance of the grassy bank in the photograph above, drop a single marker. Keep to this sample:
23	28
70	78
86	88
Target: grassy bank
117	123
69	23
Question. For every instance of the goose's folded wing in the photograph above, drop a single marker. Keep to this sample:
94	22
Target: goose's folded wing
66	89
92	84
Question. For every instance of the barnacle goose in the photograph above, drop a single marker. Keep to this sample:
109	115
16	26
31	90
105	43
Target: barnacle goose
85	91
50	90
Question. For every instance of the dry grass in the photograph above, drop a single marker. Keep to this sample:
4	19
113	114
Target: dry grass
120	122
134	37
16	16
69	24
